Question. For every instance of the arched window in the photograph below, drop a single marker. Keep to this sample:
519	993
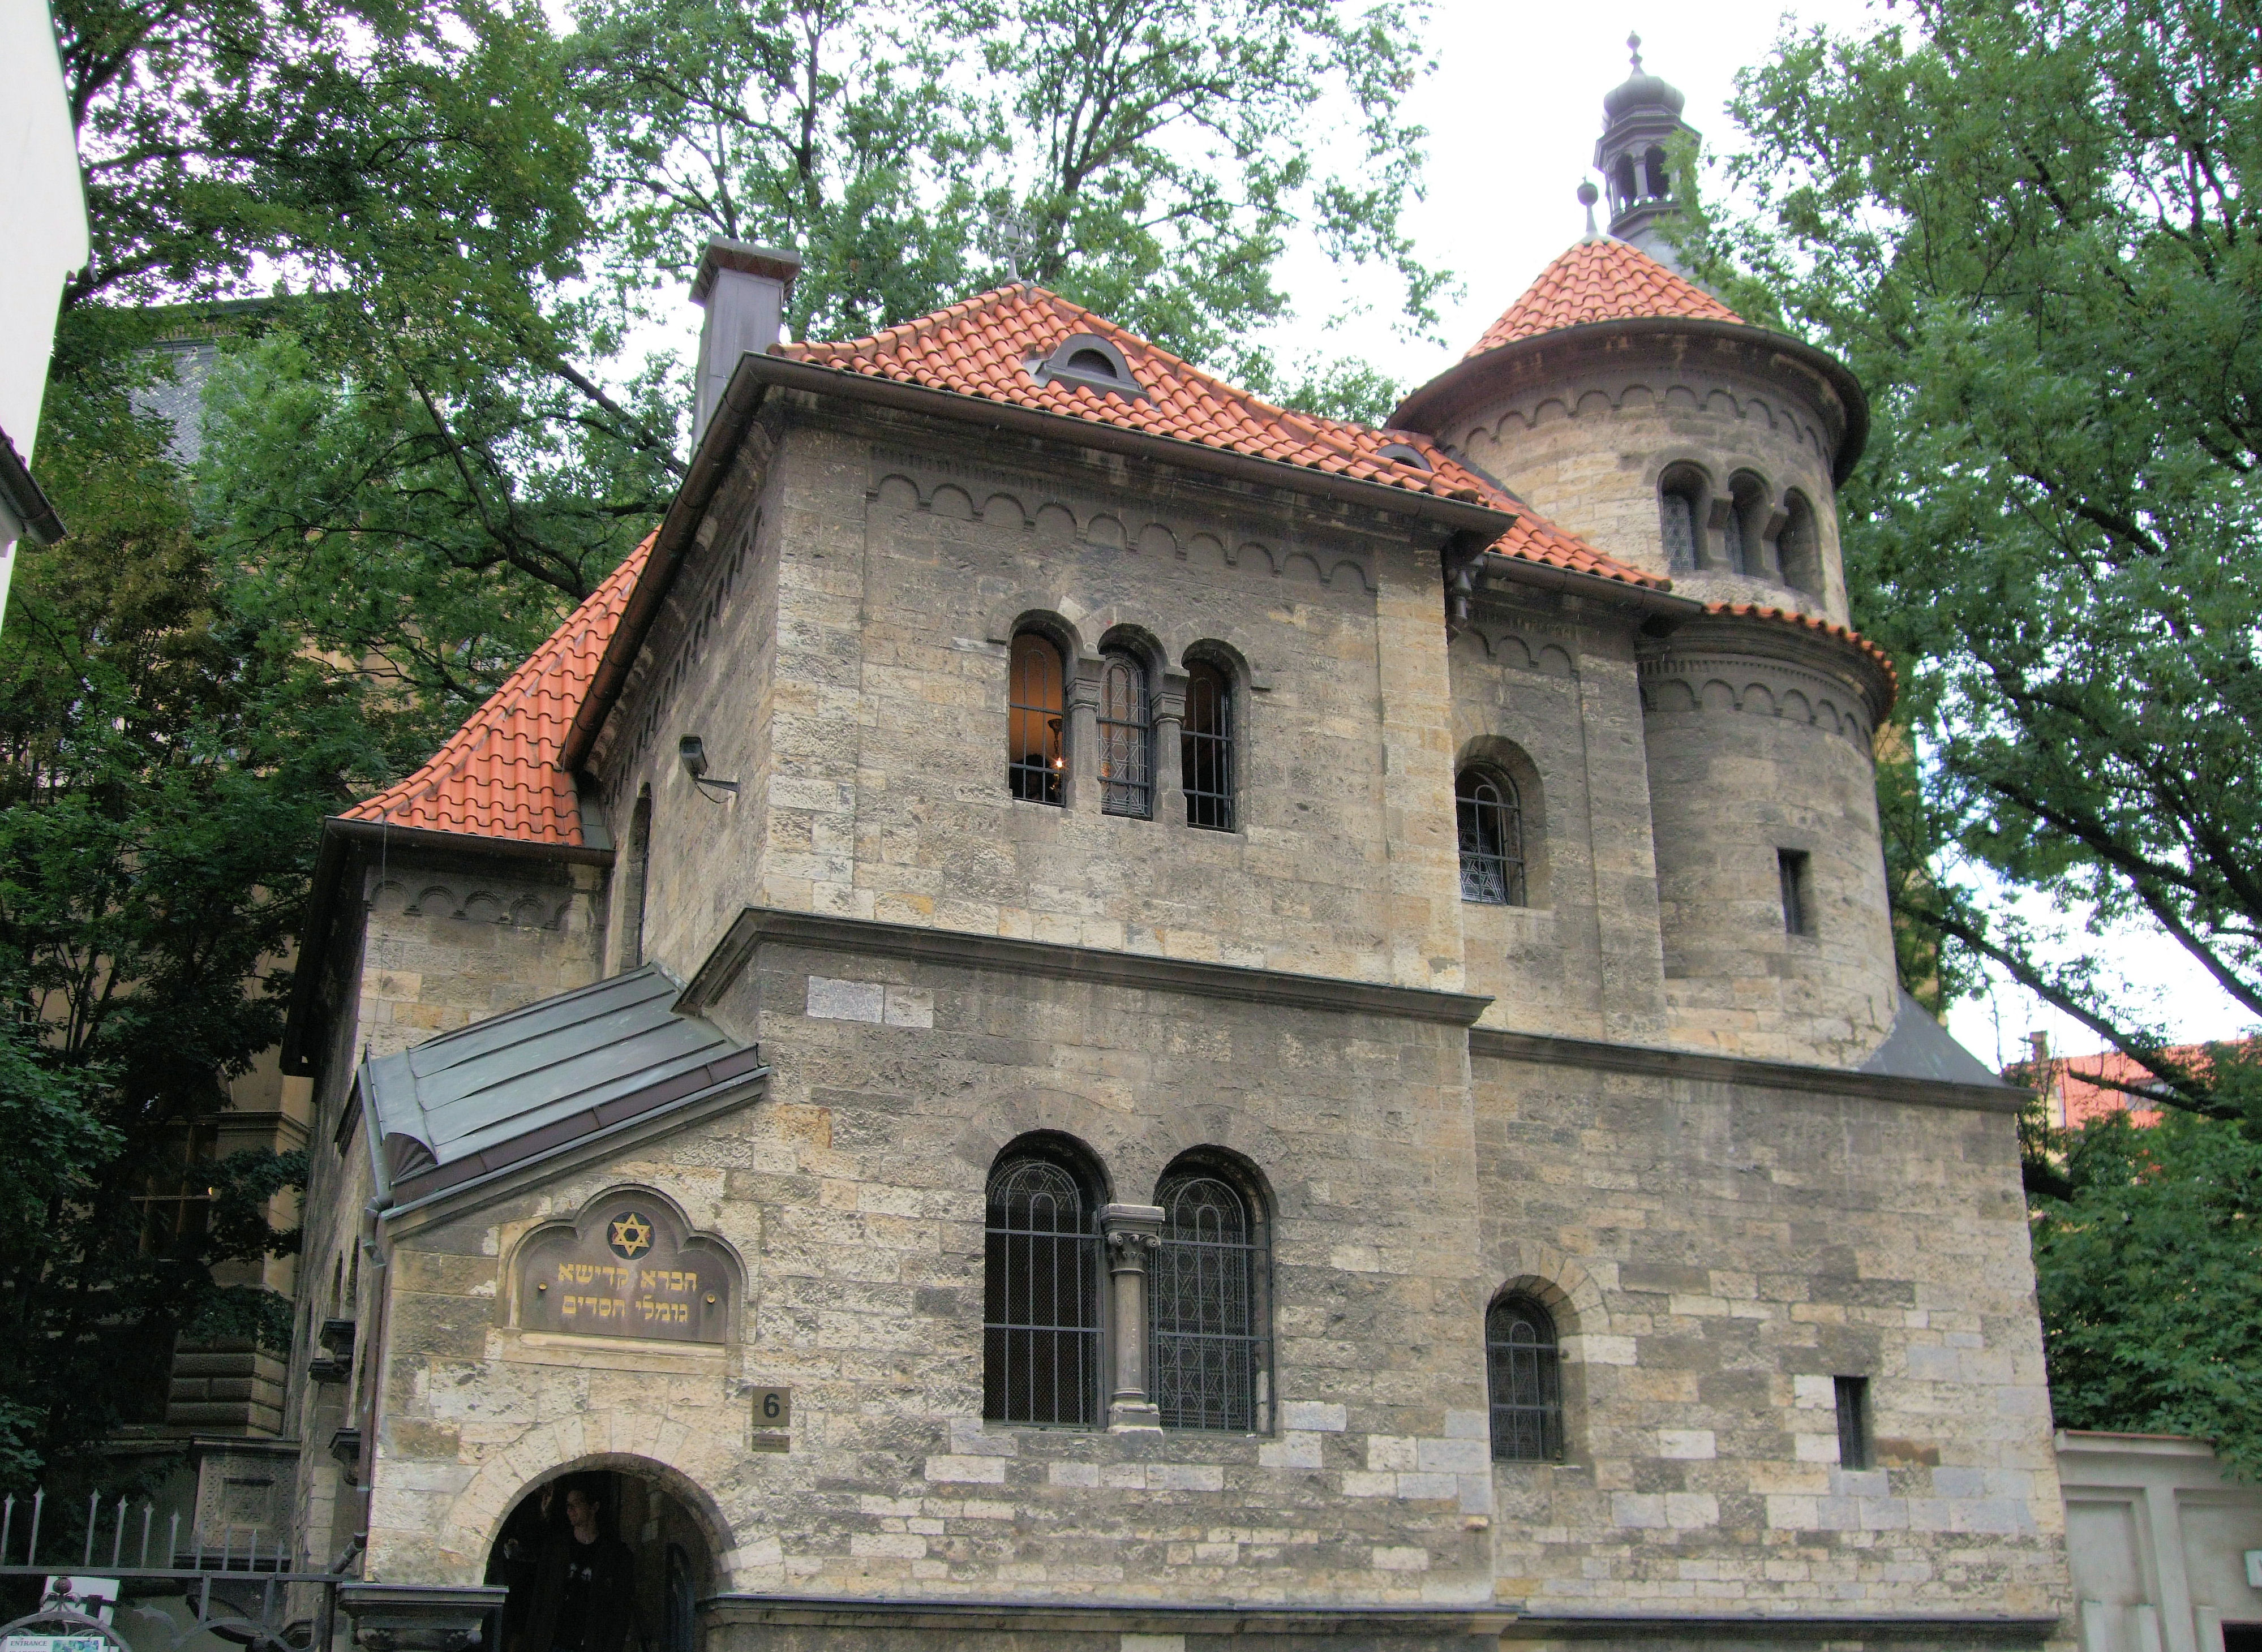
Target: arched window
1205	750
1126	739
1521	1369
1654	169
1492	837
1680	516
1210	1364
1745	529
1040	1351
1800	545
1035	755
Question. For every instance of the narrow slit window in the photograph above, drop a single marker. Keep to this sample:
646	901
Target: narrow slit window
1522	1372
1795	870
1854	1450
1206	748
1040	1333
1035	751
1491	824
1127	741
1209	1350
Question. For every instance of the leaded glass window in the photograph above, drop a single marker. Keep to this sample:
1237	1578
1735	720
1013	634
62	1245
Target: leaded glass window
1127	741
1207	748
1209	1353
1042	1272
1035	759
1680	522
1491	820
1521	1368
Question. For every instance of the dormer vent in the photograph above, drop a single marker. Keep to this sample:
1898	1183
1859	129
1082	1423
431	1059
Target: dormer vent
1092	362
1406	454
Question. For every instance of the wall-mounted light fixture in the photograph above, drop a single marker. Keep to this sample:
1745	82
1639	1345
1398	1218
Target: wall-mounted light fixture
692	750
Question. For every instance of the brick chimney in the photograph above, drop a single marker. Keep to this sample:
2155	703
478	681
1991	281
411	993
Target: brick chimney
743	289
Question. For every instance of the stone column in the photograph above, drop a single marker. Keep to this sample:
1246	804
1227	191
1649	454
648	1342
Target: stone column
1081	790
1132	1233
1170	749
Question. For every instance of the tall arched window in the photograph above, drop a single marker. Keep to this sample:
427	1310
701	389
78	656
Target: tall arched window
1207	748
1041	1330
1210	1364
1522	1371
1800	545
1680	517
1492	837
1127	740
1744	533
1035	752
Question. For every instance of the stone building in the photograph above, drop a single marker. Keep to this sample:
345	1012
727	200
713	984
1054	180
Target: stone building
1078	1012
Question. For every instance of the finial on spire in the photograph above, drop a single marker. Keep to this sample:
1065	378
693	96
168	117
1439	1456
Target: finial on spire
1634	45
1588	195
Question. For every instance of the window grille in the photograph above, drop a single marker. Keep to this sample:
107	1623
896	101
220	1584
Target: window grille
1522	1371
1207	749
1040	1333
1492	838
1035	763
1209	1353
1127	741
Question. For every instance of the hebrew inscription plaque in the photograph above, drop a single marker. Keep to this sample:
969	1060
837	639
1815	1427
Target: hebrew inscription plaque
624	1272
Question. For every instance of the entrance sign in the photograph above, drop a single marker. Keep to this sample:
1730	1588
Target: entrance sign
625	1270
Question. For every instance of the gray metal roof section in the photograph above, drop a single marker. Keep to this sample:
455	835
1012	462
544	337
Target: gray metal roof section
554	1069
1919	1047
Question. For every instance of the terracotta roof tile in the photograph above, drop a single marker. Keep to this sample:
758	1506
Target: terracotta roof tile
498	775
1601	280
1813	622
986	347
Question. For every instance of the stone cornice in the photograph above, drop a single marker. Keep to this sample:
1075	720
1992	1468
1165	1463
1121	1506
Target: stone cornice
1775	641
1132	1616
1053	960
1697	1067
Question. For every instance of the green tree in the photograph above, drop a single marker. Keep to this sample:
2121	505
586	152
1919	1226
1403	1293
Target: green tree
2150	1277
2025	226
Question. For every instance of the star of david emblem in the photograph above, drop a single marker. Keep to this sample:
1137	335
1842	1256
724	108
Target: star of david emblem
630	1236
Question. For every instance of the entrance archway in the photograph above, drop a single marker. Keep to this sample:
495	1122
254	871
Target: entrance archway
569	1595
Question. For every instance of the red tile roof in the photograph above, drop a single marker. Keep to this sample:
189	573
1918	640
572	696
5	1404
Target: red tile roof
987	347
1601	280
498	775
2070	1086
1813	622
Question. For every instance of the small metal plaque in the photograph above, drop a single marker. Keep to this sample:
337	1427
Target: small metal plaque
626	1273
770	1442
773	1407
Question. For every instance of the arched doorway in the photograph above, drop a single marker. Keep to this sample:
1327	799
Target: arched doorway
601	1560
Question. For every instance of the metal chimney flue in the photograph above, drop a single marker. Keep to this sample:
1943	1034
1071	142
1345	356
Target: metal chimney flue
744	290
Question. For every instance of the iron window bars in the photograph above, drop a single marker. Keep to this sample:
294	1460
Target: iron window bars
1034	760
1208	1352
1040	1335
1206	748
1491	819
1522	1373
1126	739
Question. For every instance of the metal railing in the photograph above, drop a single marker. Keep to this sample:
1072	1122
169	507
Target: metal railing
243	1592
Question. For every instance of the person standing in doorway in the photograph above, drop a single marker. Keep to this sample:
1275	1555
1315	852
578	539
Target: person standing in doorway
585	1584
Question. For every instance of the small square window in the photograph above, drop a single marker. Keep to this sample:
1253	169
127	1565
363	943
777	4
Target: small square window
1852	1422
1795	869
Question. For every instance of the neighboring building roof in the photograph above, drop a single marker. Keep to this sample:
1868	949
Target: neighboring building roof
534	1080
498	776
1919	1047
1600	279
2072	1085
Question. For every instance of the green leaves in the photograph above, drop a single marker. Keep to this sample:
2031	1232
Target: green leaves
2150	1277
2028	231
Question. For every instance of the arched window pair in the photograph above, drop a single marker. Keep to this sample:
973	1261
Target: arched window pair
1036	735
1524	1377
1044	1355
1734	538
1491	820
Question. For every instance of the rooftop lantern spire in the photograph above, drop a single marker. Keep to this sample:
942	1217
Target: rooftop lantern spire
1640	116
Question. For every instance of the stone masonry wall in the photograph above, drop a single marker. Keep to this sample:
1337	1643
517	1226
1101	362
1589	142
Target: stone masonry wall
1723	1253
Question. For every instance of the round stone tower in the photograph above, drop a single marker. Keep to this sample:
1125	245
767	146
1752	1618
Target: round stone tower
1643	414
